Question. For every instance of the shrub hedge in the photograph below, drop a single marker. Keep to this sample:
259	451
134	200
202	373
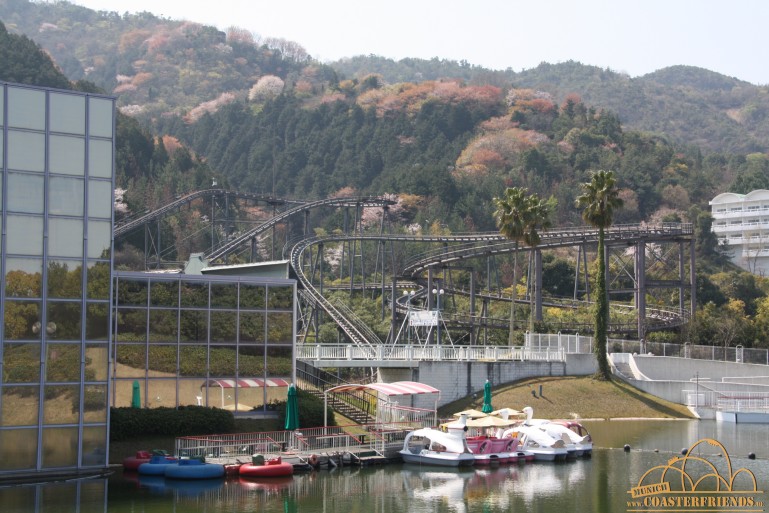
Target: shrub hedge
127	423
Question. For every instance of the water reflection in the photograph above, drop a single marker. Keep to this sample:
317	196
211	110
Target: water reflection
599	484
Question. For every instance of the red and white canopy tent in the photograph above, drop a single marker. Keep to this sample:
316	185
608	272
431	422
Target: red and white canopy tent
244	383
386	408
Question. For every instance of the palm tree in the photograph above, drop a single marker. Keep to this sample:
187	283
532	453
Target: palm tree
519	218
599	199
539	220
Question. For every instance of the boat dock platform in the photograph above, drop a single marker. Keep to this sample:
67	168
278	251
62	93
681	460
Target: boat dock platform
318	447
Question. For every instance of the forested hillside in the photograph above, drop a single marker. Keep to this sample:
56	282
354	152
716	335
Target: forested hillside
261	116
159	67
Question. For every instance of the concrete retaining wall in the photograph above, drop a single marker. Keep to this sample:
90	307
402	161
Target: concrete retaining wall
456	380
669	367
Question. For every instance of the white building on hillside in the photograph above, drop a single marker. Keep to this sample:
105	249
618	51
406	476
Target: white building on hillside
741	221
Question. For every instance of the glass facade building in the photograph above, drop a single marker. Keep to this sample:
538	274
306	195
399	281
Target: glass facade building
56	153
223	341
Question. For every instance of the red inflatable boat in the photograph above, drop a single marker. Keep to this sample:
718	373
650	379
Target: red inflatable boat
271	468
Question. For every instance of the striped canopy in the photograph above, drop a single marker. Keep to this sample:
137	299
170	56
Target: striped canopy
390	389
245	383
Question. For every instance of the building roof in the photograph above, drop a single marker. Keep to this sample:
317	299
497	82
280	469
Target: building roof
733	197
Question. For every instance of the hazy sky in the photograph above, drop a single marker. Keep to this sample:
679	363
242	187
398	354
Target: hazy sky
632	36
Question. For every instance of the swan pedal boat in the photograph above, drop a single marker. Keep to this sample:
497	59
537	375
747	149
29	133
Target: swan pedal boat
428	446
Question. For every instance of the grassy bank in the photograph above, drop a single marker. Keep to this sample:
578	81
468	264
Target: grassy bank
573	397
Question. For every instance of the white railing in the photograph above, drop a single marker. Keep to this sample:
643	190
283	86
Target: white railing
584	344
239	447
726	400
427	353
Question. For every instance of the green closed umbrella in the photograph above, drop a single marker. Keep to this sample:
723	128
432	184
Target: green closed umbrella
487	408
292	409
136	395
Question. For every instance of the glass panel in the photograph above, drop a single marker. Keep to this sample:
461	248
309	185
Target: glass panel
99	234
65	237
251	361
20	405
96	321
224	295
25	193
19	450
100	159
26	151
2	105
162	359
191	392
100	117
280	298
66	155
131	325
96	362
59	447
23	277
98	279
163	326
99	199
67	113
26	108
222	361
131	360
193	326
161	393
21	363
25	235
223	327
64	321
95	403
252	296
192	360
163	293
22	320
248	398
130	292
63	363
61	404
63	282
95	446
251	327
123	390
279	328
279	362
65	196
194	294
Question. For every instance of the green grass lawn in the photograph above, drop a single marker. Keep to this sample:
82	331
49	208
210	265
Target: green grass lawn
573	397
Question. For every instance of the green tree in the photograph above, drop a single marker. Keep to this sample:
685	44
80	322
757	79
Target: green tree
599	199
520	218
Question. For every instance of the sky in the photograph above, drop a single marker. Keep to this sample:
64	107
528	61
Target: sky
629	36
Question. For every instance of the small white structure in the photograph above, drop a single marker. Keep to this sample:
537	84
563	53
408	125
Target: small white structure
741	221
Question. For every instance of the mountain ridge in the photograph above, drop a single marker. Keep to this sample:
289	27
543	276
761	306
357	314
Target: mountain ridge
159	67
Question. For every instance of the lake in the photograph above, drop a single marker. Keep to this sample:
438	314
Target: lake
598	484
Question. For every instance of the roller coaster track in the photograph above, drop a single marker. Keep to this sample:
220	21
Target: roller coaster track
233	245
131	224
476	245
496	244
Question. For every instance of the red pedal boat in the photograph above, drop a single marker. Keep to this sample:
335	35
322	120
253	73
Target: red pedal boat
271	468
